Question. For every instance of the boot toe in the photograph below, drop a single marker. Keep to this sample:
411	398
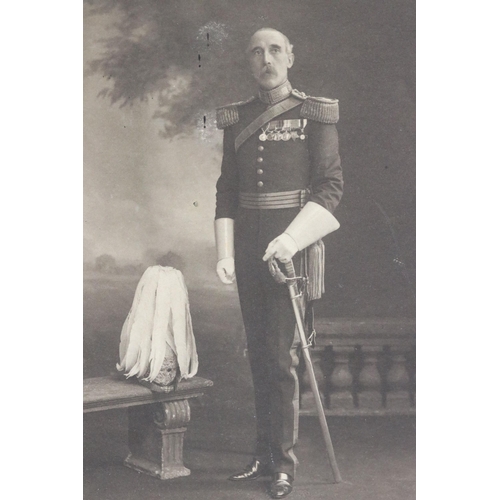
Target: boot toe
281	486
253	471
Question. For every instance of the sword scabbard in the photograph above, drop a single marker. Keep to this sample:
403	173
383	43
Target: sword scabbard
295	296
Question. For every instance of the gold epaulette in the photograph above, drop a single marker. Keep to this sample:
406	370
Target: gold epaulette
228	115
320	109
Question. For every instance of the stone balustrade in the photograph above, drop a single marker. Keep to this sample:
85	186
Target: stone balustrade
362	366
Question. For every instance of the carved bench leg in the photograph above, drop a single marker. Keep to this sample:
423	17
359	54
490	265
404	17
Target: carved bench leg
156	438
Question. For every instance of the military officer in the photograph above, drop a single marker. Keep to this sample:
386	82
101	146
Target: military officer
280	182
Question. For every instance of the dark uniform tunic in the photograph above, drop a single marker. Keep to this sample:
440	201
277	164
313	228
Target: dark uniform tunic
269	167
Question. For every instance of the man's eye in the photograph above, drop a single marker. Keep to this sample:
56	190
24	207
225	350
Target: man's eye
258	52
275	51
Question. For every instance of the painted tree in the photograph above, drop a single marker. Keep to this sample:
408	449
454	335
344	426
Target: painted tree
175	54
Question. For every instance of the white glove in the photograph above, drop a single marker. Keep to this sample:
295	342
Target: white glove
312	223
282	248
224	241
225	270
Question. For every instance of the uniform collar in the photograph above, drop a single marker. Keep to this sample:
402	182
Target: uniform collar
275	95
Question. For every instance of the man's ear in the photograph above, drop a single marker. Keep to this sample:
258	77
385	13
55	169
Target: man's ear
291	59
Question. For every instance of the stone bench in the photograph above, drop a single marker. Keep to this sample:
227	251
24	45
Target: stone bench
157	421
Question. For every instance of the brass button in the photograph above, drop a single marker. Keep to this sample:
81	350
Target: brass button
260	184
260	171
261	148
259	159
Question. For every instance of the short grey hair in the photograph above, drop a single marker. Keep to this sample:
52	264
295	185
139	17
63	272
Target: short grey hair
288	45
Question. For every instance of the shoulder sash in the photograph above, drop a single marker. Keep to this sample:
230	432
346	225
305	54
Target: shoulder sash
265	117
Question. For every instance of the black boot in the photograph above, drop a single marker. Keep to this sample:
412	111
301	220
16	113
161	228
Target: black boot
281	486
253	471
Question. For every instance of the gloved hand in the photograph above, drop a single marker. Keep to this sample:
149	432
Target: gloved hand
225	270
224	242
282	248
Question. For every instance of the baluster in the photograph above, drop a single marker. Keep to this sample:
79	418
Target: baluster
412	369
370	382
398	380
307	397
327	366
341	379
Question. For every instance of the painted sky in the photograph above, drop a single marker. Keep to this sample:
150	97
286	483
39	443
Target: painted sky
141	190
144	191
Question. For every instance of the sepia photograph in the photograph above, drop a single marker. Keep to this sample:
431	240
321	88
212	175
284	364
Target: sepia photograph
249	249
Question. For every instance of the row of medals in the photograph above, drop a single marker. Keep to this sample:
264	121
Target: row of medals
283	133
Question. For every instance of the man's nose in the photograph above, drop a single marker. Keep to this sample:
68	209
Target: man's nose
267	57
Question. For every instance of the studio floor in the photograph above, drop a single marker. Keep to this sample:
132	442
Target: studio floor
376	455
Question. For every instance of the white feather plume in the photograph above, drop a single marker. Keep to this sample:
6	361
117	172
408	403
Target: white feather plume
125	333
161	322
158	324
185	346
137	356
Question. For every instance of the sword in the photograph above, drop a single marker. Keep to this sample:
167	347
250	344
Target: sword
295	296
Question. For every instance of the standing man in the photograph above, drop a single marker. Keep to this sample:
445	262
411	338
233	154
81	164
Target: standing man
280	182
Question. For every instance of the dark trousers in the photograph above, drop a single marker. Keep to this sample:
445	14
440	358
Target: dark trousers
271	338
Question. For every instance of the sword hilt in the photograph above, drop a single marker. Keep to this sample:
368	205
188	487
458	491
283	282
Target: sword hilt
278	274
290	270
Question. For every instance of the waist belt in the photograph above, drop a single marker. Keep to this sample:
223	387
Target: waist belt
273	201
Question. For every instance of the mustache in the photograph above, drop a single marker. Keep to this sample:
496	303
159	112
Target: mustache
268	70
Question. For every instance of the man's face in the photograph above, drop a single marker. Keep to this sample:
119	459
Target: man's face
269	60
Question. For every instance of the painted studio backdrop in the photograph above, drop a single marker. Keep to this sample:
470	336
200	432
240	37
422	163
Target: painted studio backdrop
154	74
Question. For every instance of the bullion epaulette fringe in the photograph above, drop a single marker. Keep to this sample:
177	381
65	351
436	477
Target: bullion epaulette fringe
228	115
320	109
